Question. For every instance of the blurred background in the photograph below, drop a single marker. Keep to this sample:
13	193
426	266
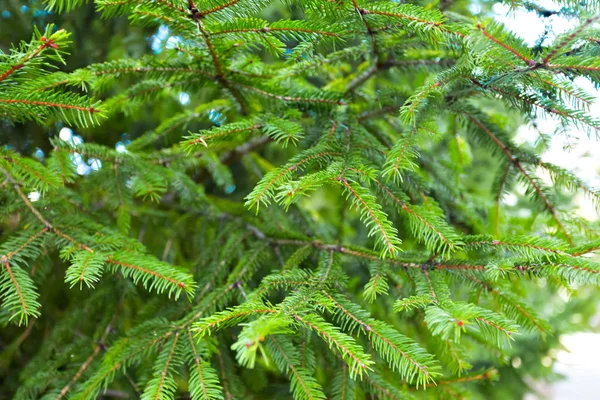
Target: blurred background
577	362
564	370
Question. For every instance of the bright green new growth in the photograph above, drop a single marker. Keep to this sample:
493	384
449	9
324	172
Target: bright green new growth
355	260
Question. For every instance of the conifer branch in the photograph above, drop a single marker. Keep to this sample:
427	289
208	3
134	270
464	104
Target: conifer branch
223	376
90	110
562	113
525	59
375	216
197	363
39	216
46	43
175	285
16	286
514	161
31	239
85	364
308	387
567	40
370	31
220	7
329	80
513	306
487	375
159	388
386	340
358	362
216	62
586	248
503	181
452	245
290	99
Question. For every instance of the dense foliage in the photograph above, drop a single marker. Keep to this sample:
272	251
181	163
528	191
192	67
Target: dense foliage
307	203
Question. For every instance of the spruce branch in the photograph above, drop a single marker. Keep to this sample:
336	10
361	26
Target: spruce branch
490	374
569	39
303	386
17	292
39	216
514	161
513	307
374	217
499	194
278	109
162	385
528	61
403	355
45	44
204	382
216	62
358	362
153	274
100	346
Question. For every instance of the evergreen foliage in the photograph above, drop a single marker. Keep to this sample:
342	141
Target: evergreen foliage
322	218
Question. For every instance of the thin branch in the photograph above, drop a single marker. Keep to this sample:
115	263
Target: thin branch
91	110
220	7
27	243
6	264
507	47
166	368
179	284
290	98
217	64
387	240
292	368
499	197
569	39
46	43
520	167
85	364
372	331
40	217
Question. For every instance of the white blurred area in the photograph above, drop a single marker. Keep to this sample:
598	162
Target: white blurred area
575	151
571	150
580	366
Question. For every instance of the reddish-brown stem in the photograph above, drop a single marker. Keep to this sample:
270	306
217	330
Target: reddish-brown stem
520	167
27	242
198	363
179	284
269	29
220	7
292	368
386	239
506	46
163	375
47	43
85	364
569	39
289	98
91	110
6	264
